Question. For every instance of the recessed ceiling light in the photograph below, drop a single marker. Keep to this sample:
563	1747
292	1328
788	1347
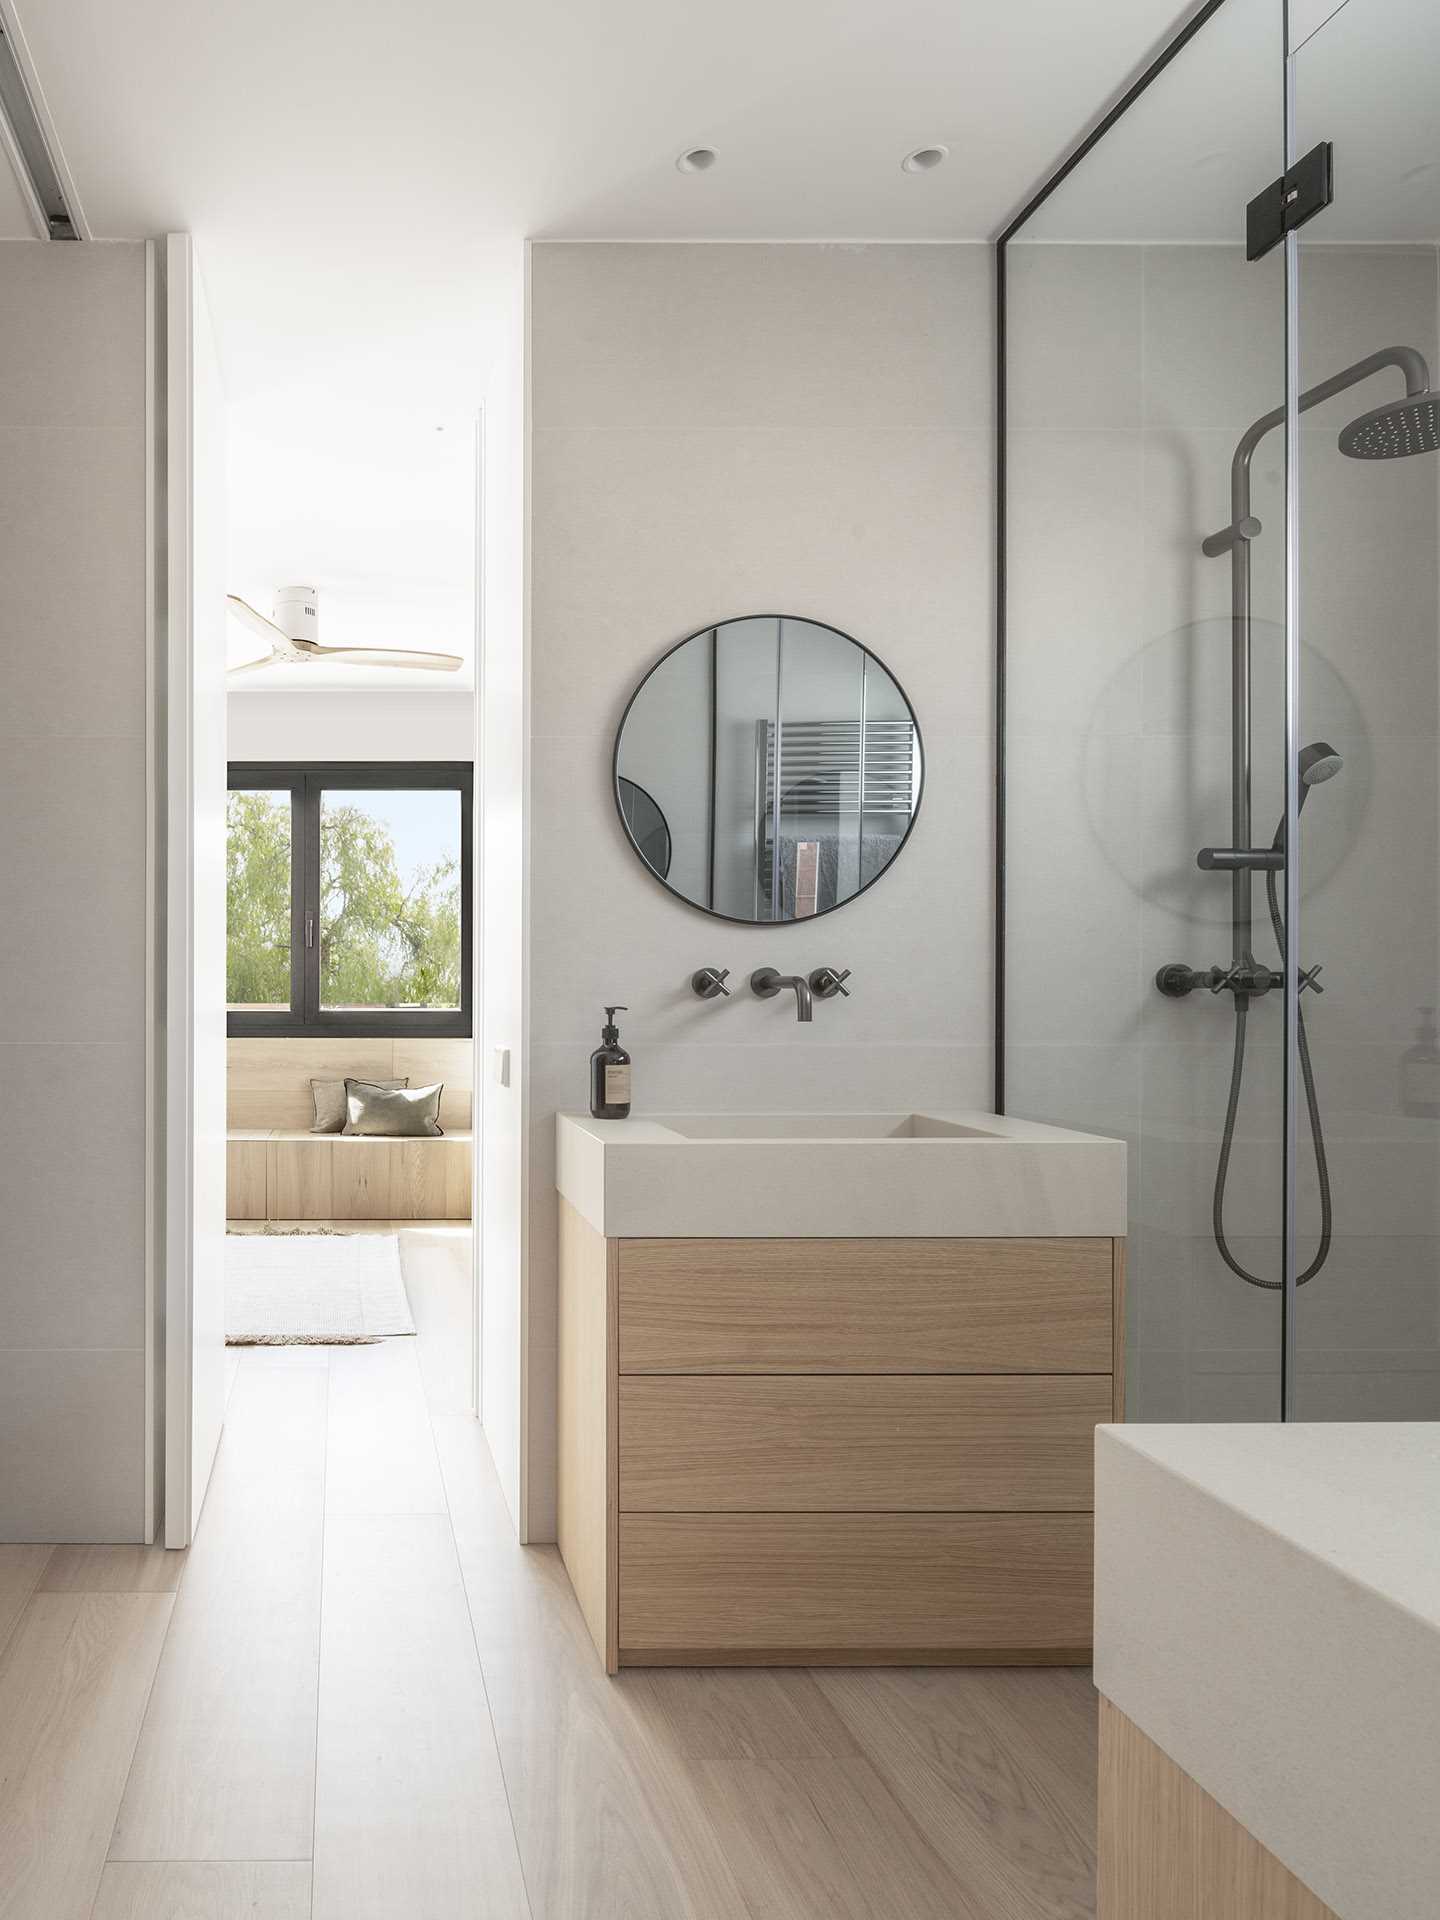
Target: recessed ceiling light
924	159
697	160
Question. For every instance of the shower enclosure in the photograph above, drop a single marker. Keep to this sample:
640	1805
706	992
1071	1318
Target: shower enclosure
1219	711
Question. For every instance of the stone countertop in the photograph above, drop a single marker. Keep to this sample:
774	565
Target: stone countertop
1267	1610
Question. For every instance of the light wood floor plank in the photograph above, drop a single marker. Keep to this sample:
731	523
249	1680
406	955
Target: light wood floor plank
825	1840
410	1808
204	1890
978	1784
73	1684
226	1762
381	1455
21	1571
152	1569
754	1713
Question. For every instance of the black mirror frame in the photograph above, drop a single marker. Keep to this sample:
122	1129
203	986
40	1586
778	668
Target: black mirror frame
712	626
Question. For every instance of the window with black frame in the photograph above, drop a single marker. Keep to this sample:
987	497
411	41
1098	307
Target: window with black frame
348	898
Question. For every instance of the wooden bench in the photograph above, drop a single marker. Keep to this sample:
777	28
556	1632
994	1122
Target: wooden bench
282	1171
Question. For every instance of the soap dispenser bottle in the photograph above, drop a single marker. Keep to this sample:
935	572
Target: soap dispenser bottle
610	1072
1420	1071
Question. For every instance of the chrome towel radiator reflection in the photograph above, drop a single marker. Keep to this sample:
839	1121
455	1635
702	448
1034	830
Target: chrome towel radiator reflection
831	771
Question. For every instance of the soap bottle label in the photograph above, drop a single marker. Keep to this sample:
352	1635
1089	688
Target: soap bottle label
617	1086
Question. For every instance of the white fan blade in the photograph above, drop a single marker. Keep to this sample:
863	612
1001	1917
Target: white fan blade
388	657
275	637
249	666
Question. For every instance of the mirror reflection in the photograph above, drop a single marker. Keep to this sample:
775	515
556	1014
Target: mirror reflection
768	769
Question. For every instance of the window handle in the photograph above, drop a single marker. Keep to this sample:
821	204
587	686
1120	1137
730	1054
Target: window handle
309	929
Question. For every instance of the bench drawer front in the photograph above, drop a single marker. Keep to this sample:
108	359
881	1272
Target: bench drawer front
885	1583
866	1306
866	1442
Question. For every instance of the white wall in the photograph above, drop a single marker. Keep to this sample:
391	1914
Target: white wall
367	724
73	1293
722	430
194	893
502	758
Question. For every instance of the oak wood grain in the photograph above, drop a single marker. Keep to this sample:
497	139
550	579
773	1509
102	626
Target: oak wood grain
302	1179
73	1685
268	1079
225	1765
1169	1851
585	1518
1118	1309
866	1306
971	1757
21	1570
204	1890
855	1580
410	1808
246	1176
851	1442
360	1179
118	1569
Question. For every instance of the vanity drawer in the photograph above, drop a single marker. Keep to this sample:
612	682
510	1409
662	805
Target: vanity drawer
867	1585
866	1306
832	1443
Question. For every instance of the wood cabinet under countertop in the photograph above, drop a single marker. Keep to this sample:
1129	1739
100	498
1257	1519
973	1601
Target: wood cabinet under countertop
810	1451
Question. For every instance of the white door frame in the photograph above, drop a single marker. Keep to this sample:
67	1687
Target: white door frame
193	1359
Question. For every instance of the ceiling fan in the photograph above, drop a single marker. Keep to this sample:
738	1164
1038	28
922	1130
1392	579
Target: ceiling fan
292	642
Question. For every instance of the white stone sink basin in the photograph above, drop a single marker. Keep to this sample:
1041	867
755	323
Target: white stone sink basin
817	1126
808	1175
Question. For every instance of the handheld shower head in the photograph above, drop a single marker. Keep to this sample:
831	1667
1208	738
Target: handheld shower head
1319	761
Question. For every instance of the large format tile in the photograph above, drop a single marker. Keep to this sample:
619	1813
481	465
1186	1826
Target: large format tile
73	1683
871	531
73	319
77	1271
631	337
226	1762
72	1437
72	559
75	838
1073	336
410	1806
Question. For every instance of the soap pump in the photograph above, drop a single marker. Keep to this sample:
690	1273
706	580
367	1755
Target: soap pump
610	1072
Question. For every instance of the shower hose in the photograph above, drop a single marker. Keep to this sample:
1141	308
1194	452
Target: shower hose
1312	1102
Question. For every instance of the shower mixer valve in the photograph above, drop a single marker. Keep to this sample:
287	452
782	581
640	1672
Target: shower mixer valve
1175	979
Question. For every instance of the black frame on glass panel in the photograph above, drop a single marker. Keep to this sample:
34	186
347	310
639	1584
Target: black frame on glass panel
1204	11
307	781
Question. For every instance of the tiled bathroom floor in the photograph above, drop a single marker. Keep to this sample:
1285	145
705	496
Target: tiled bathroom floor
358	1698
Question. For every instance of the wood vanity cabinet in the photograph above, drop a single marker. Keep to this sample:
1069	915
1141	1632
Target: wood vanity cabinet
801	1452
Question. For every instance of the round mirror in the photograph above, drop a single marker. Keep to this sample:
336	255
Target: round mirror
768	769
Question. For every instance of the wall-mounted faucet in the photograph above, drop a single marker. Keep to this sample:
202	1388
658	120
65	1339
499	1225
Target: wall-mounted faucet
765	983
707	983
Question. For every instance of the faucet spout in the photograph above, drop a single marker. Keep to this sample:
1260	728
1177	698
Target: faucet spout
765	983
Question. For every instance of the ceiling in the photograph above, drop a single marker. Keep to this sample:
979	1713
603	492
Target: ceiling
357	177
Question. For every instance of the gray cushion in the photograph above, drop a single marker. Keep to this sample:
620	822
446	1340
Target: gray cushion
396	1113
329	1098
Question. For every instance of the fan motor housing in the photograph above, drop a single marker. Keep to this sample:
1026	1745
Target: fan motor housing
297	612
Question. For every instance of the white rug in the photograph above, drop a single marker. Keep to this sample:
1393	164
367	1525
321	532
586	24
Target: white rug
313	1289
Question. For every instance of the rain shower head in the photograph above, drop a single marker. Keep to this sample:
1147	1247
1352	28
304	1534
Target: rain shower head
1401	427
1319	761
